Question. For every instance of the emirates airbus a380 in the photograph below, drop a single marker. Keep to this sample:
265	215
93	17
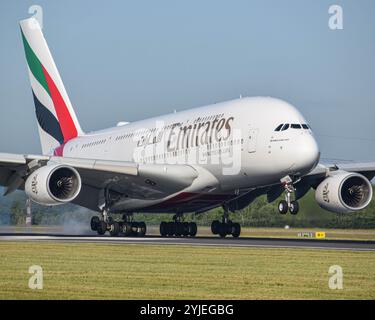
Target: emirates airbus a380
222	155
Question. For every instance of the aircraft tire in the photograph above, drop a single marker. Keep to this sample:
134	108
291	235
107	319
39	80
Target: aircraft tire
141	232
102	228
126	229
283	207
192	229
215	225
236	230
163	229
185	229
222	230
134	229
171	229
294	207
179	227
114	229
94	223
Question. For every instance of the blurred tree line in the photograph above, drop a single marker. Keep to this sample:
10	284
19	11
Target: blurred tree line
259	214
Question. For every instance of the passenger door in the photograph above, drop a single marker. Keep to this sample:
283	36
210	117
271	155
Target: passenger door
252	138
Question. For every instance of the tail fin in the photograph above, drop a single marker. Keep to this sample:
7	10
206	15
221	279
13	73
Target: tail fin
57	120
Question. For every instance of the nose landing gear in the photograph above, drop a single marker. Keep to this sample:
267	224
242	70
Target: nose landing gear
288	204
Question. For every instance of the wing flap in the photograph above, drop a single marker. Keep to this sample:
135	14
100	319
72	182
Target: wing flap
9	159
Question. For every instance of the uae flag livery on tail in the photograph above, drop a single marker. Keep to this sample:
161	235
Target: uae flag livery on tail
57	121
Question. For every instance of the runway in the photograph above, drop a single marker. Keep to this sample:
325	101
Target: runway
197	241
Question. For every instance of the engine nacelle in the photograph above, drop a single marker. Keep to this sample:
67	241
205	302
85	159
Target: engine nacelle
344	192
53	184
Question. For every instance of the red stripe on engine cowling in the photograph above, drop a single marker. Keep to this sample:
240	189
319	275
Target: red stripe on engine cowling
67	125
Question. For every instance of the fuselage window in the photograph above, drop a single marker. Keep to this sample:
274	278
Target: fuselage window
285	127
279	127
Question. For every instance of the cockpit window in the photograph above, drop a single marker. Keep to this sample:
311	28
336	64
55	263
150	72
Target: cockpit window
296	126
279	127
286	126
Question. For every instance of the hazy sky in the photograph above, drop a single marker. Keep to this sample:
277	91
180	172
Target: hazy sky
127	60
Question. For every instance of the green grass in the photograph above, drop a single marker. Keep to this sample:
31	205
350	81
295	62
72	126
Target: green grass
92	271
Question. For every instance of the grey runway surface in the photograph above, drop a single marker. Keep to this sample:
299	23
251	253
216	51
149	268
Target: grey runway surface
198	241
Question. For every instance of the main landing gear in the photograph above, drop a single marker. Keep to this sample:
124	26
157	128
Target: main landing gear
287	204
126	227
226	226
178	228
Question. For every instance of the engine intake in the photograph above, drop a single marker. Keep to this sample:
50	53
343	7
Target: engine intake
355	192
53	184
344	192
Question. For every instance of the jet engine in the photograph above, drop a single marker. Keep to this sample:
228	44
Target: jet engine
53	184
344	192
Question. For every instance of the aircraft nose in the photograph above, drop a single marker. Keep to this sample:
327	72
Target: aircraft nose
306	154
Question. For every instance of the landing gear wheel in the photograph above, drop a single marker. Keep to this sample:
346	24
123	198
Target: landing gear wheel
236	230
171	229
283	207
222	230
163	229
134	229
193	229
229	227
126	229
294	207
141	229
215	226
102	228
226	226
179	227
114	229
185	229
94	223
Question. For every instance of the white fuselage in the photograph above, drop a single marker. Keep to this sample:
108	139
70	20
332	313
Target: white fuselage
234	144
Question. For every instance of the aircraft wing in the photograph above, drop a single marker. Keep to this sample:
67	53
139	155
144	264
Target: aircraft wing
365	168
139	181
